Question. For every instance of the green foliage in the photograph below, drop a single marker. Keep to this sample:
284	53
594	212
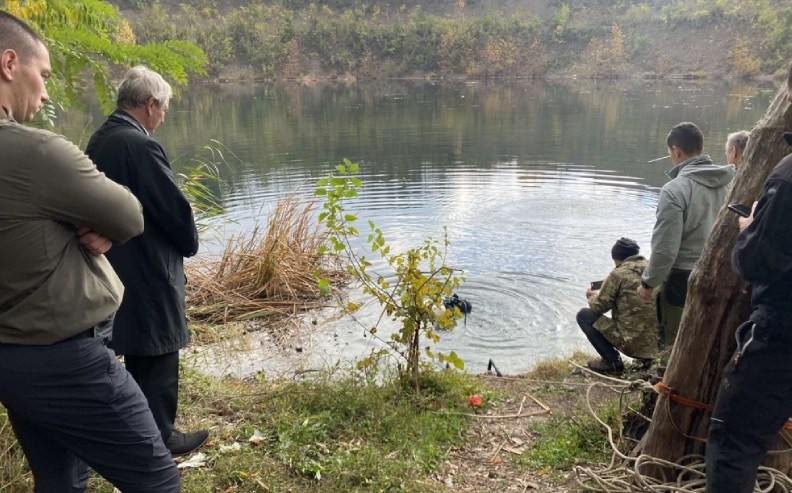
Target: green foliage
776	20
421	278
86	37
561	19
201	181
289	38
274	39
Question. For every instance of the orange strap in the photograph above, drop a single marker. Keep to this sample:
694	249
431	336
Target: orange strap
662	388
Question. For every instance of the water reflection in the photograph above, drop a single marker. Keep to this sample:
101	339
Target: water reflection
535	181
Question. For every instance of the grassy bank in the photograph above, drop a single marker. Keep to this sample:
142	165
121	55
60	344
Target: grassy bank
343	433
475	38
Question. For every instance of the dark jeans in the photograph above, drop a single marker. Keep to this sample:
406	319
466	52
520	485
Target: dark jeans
158	378
670	305
586	318
71	404
754	401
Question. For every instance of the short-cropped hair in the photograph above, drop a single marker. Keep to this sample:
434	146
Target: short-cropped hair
18	36
738	140
686	137
141	83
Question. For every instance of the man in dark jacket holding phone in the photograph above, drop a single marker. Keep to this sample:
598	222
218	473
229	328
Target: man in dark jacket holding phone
150	327
755	396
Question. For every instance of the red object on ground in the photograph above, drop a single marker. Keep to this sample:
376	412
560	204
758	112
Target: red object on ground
475	400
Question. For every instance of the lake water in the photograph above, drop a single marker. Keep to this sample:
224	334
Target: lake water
534	180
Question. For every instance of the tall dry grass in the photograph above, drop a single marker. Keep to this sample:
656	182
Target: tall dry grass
265	273
14	472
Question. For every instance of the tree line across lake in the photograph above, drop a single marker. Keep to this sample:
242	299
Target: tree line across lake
475	38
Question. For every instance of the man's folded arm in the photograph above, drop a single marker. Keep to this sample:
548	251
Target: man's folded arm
67	187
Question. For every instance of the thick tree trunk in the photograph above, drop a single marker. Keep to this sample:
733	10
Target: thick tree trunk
717	302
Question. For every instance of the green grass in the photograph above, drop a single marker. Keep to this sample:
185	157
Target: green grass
565	441
324	435
343	435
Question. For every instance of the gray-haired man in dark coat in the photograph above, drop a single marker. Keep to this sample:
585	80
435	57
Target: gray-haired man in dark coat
150	327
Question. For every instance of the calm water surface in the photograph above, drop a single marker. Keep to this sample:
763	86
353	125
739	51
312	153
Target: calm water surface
535	182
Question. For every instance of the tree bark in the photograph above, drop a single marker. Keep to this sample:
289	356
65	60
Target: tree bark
717	302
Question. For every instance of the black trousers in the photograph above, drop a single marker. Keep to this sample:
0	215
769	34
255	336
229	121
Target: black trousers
72	404
586	318
754	401
158	378
670	305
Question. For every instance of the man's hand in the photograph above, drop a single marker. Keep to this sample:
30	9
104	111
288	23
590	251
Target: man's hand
590	293
92	241
746	221
645	293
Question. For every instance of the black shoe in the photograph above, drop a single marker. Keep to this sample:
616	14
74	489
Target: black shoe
183	443
603	366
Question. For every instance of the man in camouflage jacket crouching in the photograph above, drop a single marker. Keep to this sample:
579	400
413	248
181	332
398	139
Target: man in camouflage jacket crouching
632	327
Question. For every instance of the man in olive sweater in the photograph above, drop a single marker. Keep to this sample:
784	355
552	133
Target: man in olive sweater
68	399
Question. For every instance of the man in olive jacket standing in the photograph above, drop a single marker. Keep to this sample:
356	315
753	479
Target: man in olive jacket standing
150	327
68	399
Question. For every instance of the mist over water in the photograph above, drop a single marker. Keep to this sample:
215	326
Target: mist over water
535	181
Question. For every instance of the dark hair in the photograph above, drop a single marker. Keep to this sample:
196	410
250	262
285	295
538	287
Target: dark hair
686	137
624	248
18	36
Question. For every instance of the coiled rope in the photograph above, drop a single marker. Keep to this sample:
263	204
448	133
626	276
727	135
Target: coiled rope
627	474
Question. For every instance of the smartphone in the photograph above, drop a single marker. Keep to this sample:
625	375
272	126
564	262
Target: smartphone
595	285
739	209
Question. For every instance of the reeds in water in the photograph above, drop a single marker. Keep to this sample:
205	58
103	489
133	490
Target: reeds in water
265	273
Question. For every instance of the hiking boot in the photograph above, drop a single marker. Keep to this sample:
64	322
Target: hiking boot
183	443
602	366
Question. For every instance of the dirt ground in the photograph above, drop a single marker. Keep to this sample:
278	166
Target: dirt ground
486	463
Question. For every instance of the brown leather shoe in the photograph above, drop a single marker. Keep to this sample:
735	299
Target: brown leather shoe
602	366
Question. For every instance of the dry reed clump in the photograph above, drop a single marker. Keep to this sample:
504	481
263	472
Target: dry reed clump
270	273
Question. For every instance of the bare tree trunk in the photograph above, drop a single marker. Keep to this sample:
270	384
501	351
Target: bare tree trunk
717	302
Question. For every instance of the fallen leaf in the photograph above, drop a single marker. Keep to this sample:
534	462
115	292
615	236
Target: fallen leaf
197	460
230	448
257	437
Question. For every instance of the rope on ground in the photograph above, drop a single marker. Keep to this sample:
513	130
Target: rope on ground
627	474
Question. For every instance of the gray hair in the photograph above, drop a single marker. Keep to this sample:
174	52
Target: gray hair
738	140
140	84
